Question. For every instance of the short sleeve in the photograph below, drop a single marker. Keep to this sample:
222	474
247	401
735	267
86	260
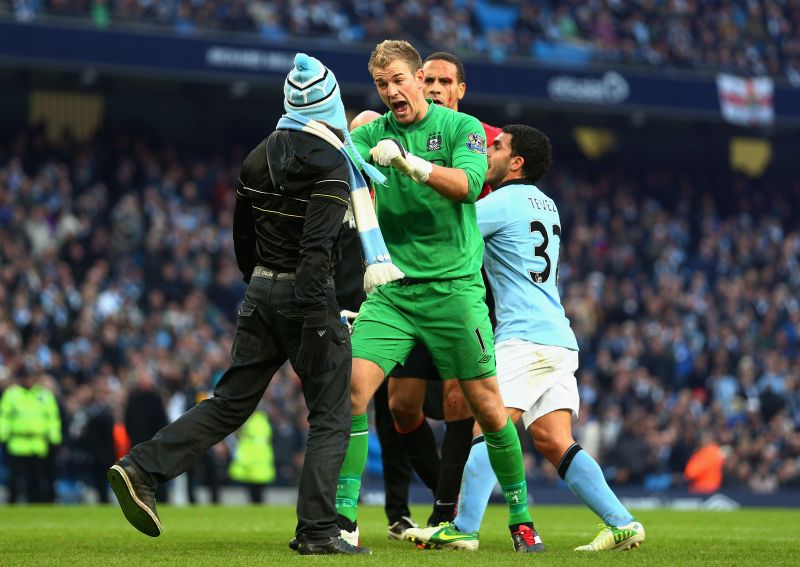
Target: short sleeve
469	152
491	214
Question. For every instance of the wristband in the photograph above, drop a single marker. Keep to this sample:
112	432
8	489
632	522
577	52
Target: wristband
421	169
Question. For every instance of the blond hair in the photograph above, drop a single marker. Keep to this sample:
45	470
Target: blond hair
390	50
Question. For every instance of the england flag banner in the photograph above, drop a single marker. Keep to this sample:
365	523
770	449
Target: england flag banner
747	102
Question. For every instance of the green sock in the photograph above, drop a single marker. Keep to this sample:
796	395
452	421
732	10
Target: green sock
505	454
355	460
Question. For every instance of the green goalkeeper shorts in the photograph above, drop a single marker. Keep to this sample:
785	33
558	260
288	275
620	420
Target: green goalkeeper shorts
449	317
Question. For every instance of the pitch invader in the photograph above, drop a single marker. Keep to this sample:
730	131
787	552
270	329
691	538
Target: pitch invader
537	354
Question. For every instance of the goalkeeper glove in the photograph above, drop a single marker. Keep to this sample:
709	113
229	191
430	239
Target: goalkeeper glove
391	152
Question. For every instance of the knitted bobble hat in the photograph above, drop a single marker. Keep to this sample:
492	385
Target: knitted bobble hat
311	90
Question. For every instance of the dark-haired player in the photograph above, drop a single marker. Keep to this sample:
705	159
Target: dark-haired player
537	354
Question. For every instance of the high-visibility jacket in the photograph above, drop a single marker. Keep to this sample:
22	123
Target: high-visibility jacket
703	472
29	421
254	461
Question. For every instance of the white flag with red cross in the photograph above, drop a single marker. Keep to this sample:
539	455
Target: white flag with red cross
746	102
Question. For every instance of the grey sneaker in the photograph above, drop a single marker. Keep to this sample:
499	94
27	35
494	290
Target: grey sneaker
136	497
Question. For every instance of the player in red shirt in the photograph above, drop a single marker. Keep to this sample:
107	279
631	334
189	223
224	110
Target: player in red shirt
444	84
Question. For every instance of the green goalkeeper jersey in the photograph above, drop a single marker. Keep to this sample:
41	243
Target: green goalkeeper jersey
428	235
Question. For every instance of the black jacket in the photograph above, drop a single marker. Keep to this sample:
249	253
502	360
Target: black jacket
349	274
144	415
291	198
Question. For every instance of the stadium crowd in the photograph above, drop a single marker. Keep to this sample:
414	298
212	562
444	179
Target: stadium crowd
744	36
120	291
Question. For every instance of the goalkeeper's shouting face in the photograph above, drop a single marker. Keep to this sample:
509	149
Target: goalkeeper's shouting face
401	91
396	69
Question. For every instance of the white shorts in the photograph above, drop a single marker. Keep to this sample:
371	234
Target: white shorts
537	379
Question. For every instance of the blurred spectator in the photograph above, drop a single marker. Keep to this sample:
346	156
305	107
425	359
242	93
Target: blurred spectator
703	472
145	415
91	430
144	412
627	459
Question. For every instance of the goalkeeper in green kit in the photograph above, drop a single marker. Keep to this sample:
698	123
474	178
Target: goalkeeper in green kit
428	220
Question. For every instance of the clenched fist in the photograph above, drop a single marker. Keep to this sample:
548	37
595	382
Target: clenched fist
386	150
390	152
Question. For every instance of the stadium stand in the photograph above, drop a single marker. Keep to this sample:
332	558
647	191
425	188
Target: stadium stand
683	290
741	36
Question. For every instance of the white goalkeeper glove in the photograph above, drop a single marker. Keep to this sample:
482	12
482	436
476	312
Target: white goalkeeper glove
390	152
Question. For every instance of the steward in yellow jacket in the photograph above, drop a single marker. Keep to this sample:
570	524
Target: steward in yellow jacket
29	426
254	461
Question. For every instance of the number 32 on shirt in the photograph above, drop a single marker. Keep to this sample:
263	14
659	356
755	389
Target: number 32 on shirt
540	251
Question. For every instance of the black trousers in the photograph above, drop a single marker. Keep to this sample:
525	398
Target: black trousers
396	466
30	472
267	333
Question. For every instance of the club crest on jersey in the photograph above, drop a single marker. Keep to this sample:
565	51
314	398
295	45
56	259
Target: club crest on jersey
477	143
434	141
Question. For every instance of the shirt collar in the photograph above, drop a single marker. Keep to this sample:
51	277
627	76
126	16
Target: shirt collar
517	181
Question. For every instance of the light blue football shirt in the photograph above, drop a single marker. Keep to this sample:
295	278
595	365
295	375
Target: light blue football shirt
522	232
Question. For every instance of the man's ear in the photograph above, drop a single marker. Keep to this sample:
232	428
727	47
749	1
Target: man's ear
461	91
516	163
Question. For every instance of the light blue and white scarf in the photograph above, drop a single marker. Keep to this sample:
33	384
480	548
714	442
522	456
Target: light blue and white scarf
379	267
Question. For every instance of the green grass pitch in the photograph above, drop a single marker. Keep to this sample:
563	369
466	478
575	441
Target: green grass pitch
254	536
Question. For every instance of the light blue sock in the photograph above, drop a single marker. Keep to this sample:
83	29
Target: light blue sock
585	479
477	484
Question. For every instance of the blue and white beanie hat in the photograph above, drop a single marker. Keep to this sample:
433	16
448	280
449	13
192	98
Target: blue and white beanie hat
311	90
